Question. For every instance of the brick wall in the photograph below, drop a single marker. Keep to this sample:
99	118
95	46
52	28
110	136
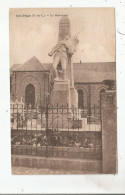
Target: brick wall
38	79
91	92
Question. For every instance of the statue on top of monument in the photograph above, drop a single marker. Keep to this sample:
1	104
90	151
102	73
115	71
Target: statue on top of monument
63	50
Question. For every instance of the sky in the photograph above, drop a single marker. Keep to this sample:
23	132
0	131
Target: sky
33	32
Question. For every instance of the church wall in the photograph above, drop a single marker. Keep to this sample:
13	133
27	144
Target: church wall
40	80
22	79
12	87
85	92
96	88
91	93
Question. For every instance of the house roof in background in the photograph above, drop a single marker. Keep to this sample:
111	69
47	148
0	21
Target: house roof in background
83	72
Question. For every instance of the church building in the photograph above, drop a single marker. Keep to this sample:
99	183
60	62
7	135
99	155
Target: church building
32	81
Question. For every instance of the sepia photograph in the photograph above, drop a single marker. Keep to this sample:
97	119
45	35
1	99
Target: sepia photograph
63	117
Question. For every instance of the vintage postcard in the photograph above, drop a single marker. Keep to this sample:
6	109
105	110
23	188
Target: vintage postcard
63	91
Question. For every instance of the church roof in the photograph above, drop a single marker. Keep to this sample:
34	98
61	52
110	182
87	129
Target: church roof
31	65
94	72
83	72
14	67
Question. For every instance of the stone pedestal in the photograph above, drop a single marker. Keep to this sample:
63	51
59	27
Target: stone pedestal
61	94
74	97
109	134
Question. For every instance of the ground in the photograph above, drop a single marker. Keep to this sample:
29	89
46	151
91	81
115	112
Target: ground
36	171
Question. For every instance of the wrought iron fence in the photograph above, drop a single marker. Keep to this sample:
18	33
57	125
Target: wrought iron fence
56	131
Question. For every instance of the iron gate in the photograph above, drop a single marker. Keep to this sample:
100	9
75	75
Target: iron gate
56	131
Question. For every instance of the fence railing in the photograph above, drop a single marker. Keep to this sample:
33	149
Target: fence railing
56	131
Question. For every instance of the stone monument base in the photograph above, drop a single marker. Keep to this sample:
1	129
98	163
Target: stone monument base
74	97
61	94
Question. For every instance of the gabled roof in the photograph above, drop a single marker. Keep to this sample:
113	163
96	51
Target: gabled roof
31	65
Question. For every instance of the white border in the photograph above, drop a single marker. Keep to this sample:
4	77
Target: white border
60	184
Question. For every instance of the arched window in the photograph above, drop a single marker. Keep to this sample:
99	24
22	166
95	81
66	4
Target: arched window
80	99
30	95
101	92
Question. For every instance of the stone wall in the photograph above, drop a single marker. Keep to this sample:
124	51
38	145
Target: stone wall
109	132
84	166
